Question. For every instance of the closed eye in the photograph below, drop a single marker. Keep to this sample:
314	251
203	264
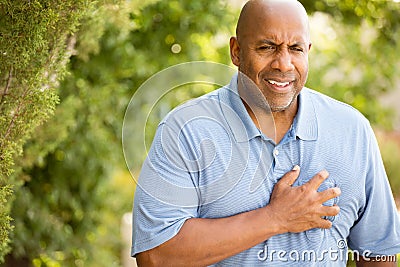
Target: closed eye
296	48
267	47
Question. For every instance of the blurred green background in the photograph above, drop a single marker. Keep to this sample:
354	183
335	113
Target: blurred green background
70	68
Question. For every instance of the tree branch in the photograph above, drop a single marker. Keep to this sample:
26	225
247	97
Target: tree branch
12	122
5	92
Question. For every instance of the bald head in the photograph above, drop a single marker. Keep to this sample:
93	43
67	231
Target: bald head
255	11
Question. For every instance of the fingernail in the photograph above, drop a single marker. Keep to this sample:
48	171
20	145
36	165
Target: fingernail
324	173
337	190
296	168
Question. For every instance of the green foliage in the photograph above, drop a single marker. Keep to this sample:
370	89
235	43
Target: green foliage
58	226
34	49
5	219
191	25
382	14
35	44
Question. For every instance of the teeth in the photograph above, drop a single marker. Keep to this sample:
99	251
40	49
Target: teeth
278	83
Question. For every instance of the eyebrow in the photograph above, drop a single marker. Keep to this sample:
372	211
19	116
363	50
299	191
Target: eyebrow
266	41
270	42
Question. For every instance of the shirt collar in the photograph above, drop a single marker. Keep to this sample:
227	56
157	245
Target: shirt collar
305	122
244	129
235	113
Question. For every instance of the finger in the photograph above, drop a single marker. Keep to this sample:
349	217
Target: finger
290	177
329	194
330	210
324	224
317	180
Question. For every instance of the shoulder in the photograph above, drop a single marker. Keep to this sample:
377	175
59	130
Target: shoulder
328	108
205	106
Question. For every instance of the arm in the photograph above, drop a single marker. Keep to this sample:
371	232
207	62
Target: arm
206	241
388	261
377	229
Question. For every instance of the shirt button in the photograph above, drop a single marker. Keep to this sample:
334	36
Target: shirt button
276	152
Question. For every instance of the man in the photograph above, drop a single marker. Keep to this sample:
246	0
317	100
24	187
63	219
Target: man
264	171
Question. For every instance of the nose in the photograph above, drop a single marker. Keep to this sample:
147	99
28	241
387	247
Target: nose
283	62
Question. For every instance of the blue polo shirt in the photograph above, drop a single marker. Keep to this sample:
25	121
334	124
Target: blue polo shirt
209	160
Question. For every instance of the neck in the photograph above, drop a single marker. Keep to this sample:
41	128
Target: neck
273	124
283	120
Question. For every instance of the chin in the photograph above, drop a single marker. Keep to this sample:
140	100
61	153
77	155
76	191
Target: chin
279	107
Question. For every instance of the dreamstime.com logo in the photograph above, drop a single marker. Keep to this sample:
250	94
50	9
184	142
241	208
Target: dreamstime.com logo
339	253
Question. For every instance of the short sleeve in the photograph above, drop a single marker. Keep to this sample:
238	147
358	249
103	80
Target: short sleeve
166	194
377	231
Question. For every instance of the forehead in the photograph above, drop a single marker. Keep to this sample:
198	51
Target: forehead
278	22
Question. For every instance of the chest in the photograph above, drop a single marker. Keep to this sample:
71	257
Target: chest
246	180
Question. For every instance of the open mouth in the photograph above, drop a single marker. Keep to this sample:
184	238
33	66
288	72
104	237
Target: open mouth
279	84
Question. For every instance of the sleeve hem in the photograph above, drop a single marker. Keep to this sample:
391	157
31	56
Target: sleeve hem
154	241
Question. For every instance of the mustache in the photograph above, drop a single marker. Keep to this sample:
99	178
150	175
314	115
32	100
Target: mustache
284	76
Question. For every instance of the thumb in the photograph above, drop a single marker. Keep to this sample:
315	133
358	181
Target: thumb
290	177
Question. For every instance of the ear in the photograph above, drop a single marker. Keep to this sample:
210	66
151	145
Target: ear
235	51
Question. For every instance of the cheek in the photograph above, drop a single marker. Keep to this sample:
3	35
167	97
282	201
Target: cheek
250	68
253	61
302	68
305	73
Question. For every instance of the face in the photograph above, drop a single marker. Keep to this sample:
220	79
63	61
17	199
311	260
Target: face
272	50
